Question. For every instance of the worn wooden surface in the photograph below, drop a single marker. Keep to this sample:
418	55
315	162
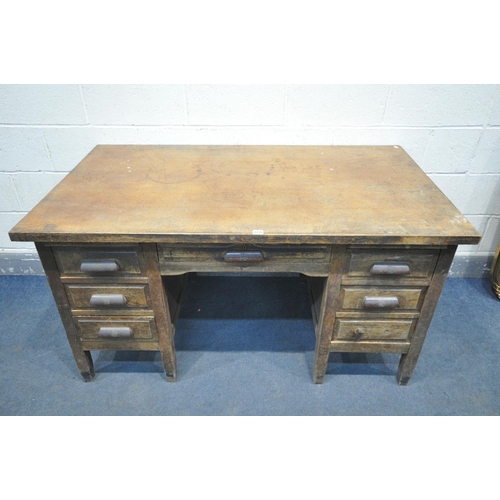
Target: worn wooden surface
332	213
259	194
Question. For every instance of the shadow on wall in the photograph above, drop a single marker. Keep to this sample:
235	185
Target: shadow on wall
494	160
492	236
485	198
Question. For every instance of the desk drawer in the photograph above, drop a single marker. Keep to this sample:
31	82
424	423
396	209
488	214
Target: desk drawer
391	263
379	329
381	298
116	329
107	297
221	258
99	261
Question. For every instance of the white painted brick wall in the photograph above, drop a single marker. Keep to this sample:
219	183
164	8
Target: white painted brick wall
135	104
336	105
451	131
41	104
228	105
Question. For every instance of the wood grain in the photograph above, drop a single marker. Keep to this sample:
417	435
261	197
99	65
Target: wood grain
249	194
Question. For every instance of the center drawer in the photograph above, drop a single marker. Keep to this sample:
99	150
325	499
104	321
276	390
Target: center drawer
108	296
232	257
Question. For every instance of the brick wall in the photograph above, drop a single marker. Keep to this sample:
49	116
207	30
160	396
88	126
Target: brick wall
451	131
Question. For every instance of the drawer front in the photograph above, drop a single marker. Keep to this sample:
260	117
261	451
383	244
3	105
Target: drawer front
381	298
391	264
245	253
99	261
383	329
116	329
222	258
108	297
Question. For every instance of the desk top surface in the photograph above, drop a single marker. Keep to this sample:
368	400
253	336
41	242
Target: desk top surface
267	194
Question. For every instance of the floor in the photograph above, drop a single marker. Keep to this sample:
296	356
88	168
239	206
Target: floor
245	347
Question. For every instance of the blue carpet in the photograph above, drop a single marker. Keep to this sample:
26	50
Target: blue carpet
245	347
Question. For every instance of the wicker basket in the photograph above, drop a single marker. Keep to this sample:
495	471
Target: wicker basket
495	273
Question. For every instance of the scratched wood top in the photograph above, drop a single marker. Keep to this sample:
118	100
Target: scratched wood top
290	194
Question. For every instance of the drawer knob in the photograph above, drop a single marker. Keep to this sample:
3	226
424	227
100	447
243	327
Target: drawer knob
243	257
390	268
108	299
358	331
98	266
113	332
380	302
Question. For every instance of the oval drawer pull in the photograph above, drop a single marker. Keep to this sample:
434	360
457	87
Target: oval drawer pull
243	257
390	268
98	266
107	332
380	302
108	299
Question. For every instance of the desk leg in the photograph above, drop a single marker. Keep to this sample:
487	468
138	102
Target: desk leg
83	358
326	320
409	360
164	324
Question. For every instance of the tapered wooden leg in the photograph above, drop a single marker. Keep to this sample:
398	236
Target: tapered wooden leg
326	319
169	362
86	367
164	324
409	360
83	358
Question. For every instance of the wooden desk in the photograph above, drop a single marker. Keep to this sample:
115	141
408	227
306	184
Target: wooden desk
372	233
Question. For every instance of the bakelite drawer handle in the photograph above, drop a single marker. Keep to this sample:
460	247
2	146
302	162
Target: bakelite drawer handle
108	299
390	268
112	332
98	266
380	302
243	257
